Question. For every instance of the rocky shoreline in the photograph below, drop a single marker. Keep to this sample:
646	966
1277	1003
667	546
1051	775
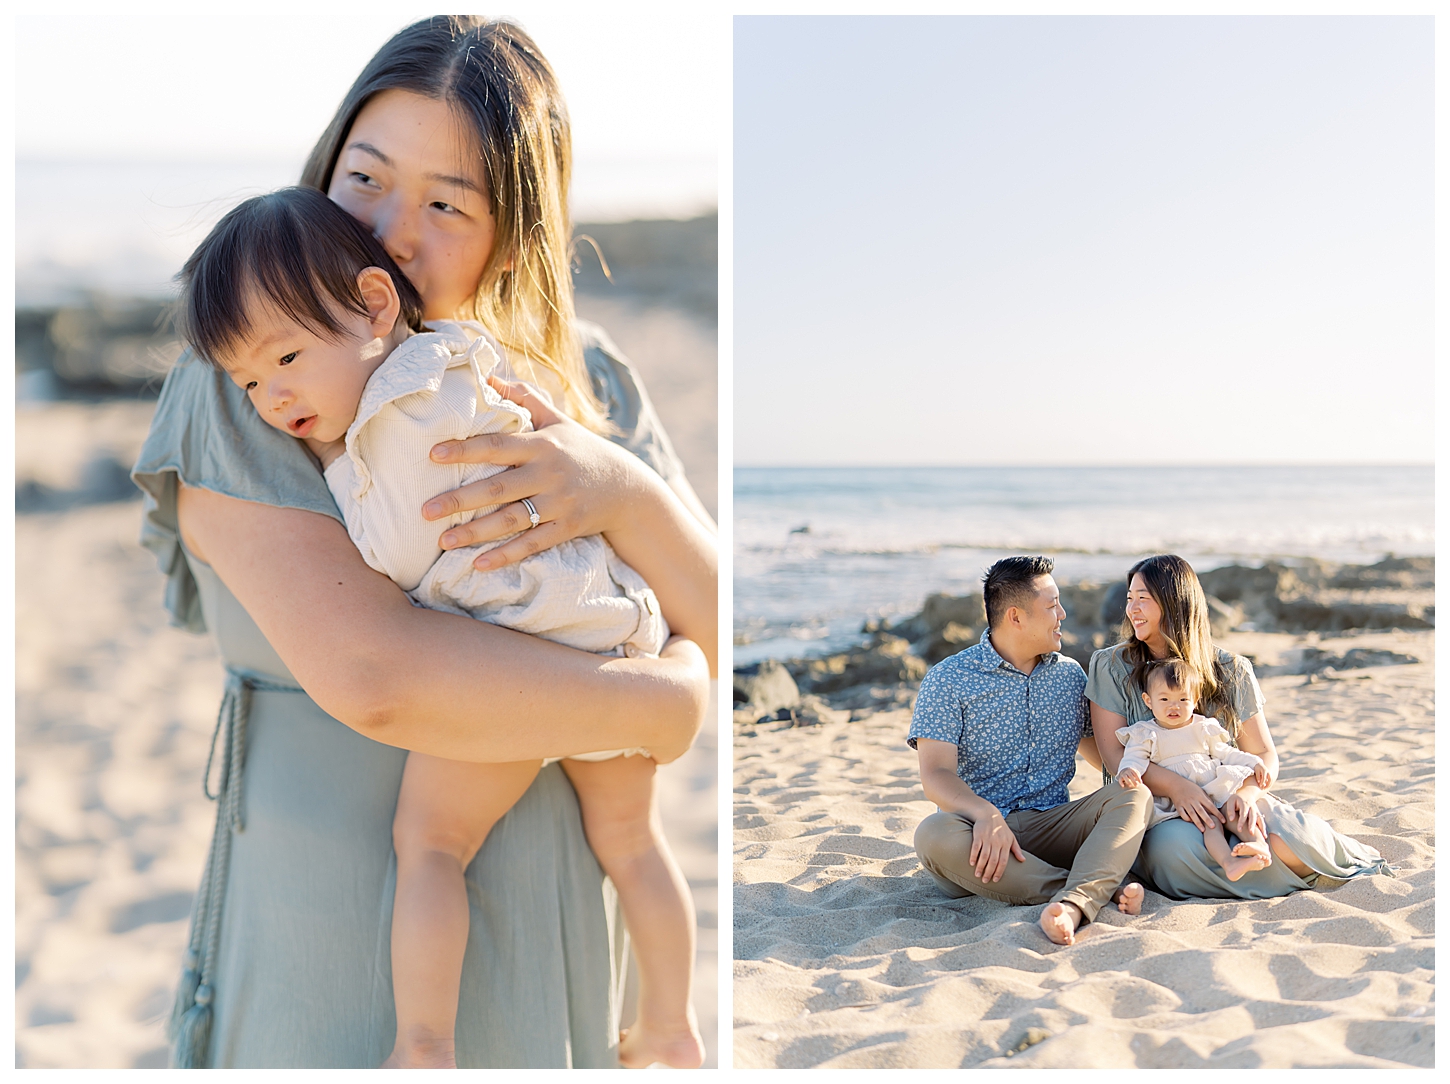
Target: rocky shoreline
1308	597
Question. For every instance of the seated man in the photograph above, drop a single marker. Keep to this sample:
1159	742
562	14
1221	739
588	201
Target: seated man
996	729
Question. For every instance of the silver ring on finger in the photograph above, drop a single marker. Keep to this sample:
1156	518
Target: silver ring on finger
533	513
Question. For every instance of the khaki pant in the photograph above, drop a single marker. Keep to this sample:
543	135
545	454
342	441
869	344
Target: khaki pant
1078	852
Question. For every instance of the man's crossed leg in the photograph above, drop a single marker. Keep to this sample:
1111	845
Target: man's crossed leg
1074	857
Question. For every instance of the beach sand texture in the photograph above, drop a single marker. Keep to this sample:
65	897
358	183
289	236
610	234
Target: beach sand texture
115	709
846	954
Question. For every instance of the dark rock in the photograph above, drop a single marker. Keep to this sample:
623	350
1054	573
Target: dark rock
1115	603
1083	603
1313	660
1313	597
887	662
765	687
1401	572
939	611
946	642
1222	617
659	261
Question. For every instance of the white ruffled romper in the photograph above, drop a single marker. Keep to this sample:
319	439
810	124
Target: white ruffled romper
433	388
1200	751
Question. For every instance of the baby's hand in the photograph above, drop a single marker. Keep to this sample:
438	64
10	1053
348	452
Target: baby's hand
1128	778
1261	775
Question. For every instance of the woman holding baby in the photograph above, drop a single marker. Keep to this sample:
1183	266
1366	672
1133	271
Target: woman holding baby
453	148
1167	618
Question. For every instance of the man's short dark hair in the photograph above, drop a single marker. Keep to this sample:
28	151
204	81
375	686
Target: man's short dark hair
1012	581
298	250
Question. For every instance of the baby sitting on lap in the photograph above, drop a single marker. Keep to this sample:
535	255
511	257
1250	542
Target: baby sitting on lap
1195	748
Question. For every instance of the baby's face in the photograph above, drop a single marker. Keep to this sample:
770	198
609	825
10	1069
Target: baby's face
301	383
1170	707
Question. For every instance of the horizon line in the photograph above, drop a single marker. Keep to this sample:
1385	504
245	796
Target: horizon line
1086	465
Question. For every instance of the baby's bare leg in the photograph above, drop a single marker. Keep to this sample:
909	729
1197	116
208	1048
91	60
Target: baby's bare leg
622	821
446	809
1252	842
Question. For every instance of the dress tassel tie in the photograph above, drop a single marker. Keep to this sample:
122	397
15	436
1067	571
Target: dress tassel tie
191	1015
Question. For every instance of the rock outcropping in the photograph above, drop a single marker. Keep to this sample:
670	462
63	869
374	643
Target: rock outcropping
886	668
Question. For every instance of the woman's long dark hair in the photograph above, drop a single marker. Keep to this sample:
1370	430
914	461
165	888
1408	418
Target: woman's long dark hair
503	90
1174	586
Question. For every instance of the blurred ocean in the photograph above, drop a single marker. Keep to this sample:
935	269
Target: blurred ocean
124	228
818	550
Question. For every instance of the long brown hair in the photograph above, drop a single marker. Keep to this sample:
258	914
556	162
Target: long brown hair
1174	586
503	90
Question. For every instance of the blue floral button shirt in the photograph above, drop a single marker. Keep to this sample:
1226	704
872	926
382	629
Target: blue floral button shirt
1016	734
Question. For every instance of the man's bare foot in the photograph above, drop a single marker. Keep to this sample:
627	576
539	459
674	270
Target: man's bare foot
1238	865
1129	898
1059	921
680	1047
429	1054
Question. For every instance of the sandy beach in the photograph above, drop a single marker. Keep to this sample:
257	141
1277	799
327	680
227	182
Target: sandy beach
846	955
115	709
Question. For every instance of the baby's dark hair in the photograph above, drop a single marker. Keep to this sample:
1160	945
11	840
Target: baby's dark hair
293	247
1174	673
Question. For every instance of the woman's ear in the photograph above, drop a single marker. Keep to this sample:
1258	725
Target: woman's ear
381	298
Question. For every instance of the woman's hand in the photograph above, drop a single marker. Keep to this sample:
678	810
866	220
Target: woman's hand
1242	816
579	483
1187	797
582	484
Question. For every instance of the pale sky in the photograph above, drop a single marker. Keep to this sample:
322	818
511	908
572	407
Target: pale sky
1083	240
260	81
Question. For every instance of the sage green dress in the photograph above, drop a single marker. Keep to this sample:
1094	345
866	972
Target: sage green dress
288	963
1173	858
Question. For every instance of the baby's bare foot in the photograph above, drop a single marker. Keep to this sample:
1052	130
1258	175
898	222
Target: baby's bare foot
1252	848
679	1047
1059	921
1238	865
1129	898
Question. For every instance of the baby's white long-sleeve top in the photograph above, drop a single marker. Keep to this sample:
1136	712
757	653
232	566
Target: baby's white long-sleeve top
1188	750
434	387
1200	751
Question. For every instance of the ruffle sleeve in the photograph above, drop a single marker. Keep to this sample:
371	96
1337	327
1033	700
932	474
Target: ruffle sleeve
206	433
1141	746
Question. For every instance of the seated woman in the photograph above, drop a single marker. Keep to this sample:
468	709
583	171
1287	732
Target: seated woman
1167	617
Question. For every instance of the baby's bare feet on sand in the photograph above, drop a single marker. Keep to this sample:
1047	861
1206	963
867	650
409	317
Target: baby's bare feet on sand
1059	921
1129	898
435	1054
679	1048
